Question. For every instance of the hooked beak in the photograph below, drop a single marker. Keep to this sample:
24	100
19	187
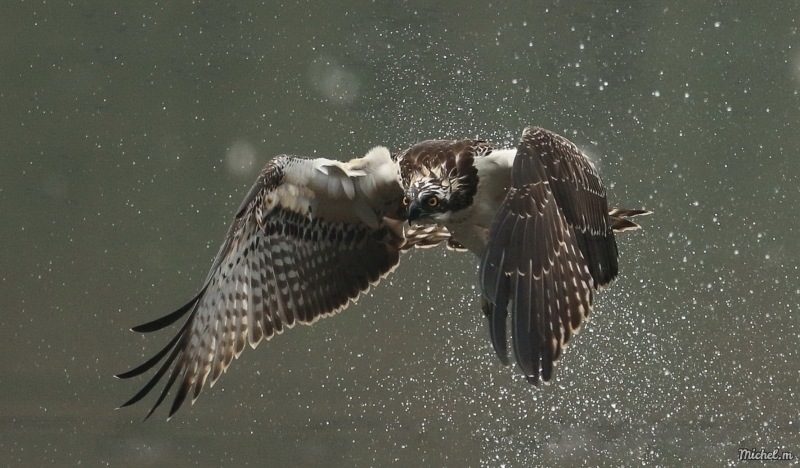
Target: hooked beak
414	212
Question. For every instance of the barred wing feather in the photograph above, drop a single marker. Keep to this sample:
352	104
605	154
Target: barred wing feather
536	258
311	236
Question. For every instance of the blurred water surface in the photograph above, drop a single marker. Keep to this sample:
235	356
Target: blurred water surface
131	131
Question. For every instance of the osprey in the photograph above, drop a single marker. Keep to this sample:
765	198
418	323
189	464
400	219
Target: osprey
314	234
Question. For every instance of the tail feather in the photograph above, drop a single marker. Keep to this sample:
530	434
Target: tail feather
618	216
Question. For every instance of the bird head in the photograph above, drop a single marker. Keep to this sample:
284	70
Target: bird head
428	199
439	179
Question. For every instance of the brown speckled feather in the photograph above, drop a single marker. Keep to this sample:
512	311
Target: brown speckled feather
550	247
277	267
581	196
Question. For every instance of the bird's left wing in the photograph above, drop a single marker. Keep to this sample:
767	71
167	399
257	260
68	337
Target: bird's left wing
534	258
311	236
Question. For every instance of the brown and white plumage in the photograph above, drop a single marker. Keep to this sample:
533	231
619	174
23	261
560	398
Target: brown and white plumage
314	234
551	247
310	236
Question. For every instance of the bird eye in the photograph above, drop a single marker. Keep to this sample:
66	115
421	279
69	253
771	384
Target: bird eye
433	201
405	201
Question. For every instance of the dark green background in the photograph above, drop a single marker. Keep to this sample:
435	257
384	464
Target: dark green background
130	133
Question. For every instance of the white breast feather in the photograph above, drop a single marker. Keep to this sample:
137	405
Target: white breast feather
494	173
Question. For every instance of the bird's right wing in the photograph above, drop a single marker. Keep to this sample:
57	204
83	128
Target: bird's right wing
311	236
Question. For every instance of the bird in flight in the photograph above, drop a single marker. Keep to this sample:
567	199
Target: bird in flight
314	234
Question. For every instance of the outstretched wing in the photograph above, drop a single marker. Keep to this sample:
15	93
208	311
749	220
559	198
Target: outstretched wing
310	237
550	247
